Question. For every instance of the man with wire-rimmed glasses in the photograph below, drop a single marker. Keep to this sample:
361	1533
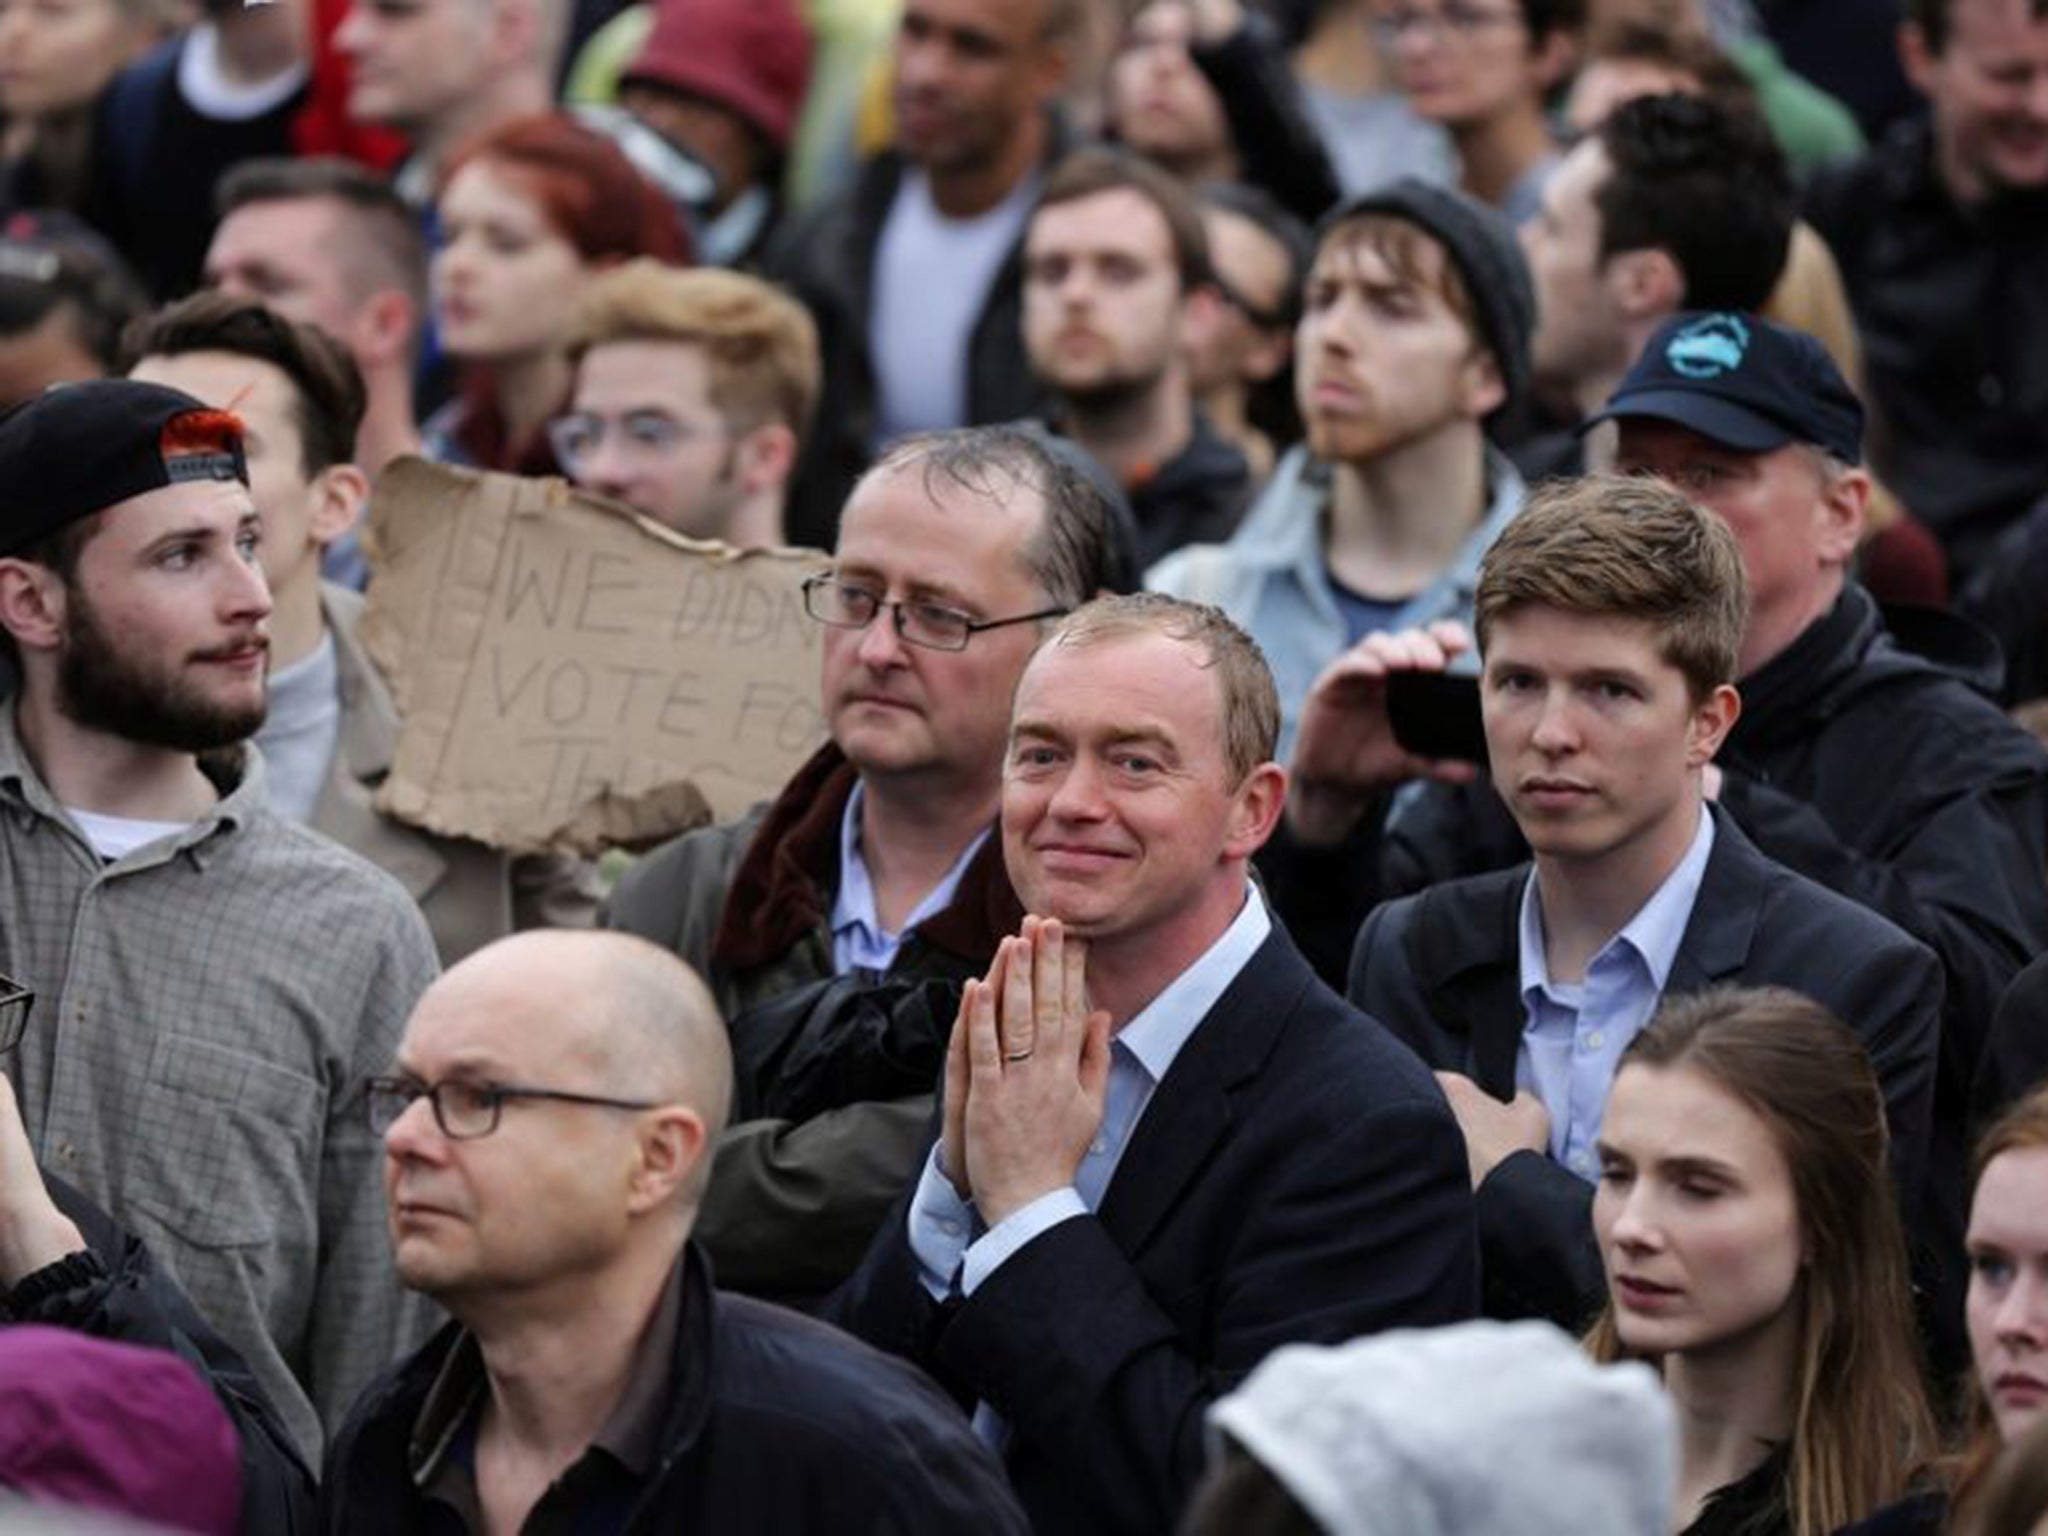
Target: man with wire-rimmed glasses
873	868
547	1131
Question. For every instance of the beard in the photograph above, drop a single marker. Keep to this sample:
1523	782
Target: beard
150	702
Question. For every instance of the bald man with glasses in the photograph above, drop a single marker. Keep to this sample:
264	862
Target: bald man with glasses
547	1134
873	872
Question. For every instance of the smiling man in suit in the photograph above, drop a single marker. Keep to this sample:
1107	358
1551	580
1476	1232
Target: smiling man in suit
1166	1148
1610	615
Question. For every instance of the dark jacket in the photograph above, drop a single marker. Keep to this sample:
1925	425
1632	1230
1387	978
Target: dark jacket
1952	305
2016	1056
1278	145
1296	1177
826	256
1887	777
1881	773
793	1204
1196	497
1442	969
775	1423
114	1290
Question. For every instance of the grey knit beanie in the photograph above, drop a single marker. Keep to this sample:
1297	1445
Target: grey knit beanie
1482	245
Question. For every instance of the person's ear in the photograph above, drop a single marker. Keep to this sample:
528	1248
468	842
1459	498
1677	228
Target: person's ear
673	1142
515	29
1554	59
340	492
1265	360
1484	389
1200	307
1053	63
1712	719
1917	60
1839	514
765	457
384	325
1255	810
1645	283
32	598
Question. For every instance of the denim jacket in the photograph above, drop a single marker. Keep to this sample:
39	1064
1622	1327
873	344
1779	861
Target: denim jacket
1272	578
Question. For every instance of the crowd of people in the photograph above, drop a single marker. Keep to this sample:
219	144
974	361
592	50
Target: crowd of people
1423	906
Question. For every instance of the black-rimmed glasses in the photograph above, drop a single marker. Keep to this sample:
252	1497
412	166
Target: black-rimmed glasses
466	1111
936	627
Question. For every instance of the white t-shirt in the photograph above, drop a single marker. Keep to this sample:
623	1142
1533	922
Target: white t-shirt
115	837
301	731
932	277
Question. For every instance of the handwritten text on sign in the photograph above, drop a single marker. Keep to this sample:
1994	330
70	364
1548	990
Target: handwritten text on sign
570	674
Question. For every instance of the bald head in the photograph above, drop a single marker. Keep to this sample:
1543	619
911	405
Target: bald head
628	1014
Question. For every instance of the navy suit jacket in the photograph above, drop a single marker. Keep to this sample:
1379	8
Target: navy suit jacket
1297	1176
1443	970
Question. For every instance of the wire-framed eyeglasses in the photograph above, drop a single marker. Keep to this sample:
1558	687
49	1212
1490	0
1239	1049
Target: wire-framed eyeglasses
936	627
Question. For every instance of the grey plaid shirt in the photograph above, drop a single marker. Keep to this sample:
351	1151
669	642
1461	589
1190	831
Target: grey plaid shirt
207	1010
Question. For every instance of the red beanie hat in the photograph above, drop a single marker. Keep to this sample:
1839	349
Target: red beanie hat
752	57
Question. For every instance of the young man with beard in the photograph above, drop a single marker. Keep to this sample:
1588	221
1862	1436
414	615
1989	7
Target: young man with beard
1116	281
216	982
1415	330
332	727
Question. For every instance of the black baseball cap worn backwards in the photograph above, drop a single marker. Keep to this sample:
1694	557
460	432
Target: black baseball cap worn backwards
1743	381
77	449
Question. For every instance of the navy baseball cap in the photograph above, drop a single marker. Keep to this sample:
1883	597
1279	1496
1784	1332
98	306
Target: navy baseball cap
1743	381
76	449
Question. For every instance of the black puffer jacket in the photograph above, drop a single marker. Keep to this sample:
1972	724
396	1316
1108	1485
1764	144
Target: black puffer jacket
114	1290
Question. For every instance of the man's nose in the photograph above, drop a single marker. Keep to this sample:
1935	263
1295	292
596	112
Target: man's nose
880	644
1556	729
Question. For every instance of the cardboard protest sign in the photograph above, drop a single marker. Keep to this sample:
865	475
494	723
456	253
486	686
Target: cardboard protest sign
571	675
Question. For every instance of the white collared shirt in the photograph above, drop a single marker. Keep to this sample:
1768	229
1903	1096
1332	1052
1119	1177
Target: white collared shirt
943	1226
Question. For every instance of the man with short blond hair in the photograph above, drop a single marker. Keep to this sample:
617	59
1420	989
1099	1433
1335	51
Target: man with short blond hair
693	393
1166	1149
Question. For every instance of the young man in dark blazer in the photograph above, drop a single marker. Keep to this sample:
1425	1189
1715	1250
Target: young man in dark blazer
1166	1148
1609	616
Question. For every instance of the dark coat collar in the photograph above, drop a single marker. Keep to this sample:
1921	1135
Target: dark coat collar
1467	947
785	882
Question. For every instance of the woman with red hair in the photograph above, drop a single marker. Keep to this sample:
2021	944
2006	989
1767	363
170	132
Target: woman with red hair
528	213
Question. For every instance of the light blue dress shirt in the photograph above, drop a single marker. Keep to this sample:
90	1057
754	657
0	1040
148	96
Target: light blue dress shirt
945	1233
1573	1034
859	941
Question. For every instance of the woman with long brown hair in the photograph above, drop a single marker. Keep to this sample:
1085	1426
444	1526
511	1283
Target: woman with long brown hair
1754	1254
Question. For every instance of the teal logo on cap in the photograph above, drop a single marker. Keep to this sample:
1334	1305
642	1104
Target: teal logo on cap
1708	347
